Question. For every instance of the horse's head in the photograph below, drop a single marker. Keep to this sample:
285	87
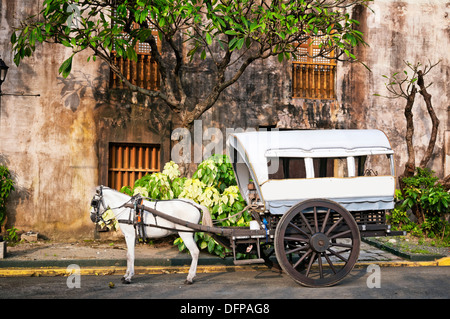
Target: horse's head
98	206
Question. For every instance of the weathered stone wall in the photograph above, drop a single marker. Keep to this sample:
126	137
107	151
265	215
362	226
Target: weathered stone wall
396	31
47	141
56	145
414	31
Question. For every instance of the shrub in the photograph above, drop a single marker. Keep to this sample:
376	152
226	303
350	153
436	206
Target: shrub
165	185
424	195
427	200
6	187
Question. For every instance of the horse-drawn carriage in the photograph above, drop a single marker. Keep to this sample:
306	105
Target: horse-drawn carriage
312	195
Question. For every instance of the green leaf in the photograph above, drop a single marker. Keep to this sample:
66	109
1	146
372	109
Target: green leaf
231	32
211	245
240	43
208	39
280	57
232	43
66	67
13	38
203	245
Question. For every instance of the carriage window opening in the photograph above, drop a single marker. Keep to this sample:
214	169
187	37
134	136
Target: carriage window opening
374	165
360	162
129	162
287	168
330	167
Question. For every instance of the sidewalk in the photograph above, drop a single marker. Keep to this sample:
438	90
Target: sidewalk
95	258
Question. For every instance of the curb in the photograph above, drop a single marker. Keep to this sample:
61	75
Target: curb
145	270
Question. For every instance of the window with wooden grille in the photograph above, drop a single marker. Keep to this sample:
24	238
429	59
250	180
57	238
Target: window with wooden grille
143	73
313	78
129	162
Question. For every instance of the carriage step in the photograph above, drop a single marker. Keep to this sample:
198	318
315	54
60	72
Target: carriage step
249	261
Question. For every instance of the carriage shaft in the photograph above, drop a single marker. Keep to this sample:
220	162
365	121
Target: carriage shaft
222	231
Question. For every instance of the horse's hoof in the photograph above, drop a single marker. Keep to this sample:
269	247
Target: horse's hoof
188	282
126	281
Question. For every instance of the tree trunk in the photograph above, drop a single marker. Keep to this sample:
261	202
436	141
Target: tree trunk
411	162
434	120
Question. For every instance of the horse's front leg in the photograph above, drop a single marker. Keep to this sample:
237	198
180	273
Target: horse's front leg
130	239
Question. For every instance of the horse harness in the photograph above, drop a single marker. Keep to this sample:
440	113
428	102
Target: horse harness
136	219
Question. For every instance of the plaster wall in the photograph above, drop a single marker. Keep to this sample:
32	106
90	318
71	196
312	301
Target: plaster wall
56	144
413	31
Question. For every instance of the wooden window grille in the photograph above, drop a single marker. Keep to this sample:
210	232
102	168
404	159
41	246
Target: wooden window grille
313	78
129	162
143	73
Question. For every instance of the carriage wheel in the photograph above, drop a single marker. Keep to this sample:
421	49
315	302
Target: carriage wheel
317	243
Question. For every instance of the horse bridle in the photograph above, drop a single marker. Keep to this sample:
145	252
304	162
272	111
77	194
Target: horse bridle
96	202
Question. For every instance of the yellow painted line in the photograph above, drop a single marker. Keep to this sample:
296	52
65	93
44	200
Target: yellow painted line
444	261
101	271
440	262
145	270
55	271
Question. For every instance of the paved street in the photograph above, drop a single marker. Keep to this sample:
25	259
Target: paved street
394	282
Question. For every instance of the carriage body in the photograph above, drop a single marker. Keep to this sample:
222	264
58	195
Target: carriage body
315	193
354	168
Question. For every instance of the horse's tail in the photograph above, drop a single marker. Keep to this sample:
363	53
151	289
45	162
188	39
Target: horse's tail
206	216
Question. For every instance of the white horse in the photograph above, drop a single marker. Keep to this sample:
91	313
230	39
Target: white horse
185	209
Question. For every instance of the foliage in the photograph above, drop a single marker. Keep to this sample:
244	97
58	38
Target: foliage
6	187
232	34
216	171
422	192
109	220
402	84
163	186
213	185
398	217
428	200
233	25
11	235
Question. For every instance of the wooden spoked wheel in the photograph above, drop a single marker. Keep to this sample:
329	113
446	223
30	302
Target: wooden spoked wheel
317	242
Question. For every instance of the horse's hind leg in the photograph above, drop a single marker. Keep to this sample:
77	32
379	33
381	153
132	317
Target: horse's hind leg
188	239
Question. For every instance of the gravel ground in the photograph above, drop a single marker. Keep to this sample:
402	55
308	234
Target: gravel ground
413	245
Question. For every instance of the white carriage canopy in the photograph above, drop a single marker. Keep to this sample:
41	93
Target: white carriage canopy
255	154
